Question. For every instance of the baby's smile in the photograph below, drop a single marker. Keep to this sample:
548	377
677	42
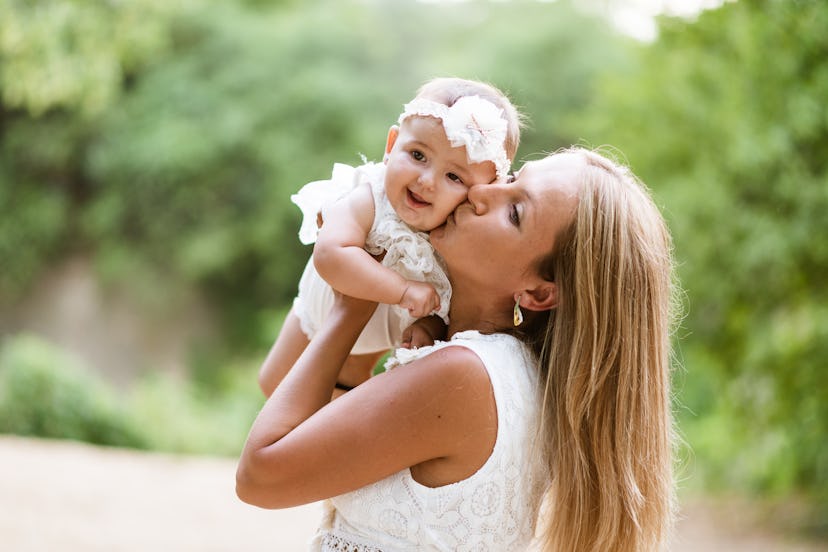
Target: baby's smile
416	200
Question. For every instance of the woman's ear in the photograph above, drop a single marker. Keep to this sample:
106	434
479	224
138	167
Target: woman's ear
542	298
393	132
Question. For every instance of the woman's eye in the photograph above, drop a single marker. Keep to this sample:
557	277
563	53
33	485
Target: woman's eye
514	216
510	178
454	178
418	155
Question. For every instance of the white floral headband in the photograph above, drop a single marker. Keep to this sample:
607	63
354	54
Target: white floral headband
471	122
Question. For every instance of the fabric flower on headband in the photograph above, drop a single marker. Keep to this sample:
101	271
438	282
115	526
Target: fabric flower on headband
471	122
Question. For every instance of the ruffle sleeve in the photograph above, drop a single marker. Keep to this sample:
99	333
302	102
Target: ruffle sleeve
314	195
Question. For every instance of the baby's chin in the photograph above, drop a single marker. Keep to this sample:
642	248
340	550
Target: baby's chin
424	224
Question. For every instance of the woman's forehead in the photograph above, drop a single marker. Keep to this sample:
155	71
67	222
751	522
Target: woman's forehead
557	161
553	183
555	174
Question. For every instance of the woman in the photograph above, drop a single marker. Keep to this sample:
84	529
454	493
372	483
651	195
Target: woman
555	384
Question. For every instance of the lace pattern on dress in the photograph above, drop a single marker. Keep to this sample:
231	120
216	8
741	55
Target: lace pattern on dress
331	542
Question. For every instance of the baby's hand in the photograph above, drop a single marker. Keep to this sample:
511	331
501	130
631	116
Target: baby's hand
420	299
423	332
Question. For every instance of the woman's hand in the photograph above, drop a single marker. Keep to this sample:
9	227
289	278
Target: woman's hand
420	299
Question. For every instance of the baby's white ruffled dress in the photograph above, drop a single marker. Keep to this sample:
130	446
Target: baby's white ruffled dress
407	252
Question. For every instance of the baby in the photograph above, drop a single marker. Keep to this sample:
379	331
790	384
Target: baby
371	223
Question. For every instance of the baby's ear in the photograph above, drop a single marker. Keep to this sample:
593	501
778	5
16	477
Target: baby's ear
393	132
542	298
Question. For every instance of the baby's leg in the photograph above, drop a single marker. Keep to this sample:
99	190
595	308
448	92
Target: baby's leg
283	355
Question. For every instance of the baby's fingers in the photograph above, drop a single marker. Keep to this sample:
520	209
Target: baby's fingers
418	311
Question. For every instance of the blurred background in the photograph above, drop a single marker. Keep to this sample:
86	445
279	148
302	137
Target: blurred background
149	251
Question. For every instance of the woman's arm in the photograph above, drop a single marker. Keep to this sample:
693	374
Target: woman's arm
304	448
340	258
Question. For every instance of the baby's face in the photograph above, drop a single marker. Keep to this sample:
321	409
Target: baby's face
426	178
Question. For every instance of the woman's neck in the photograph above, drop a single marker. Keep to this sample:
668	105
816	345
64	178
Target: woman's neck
475	311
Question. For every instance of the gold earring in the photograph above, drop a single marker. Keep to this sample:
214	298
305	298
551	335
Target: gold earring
518	315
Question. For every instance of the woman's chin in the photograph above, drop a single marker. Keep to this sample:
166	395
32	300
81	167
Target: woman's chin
438	232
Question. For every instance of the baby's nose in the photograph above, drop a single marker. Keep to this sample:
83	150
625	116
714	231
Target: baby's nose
427	180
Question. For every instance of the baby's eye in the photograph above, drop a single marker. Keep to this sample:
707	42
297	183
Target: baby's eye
418	155
454	178
514	215
510	178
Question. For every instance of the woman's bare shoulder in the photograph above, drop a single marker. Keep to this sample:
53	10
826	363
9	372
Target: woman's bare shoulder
453	364
447	390
453	401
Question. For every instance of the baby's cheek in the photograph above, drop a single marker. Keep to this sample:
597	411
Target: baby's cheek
454	200
461	195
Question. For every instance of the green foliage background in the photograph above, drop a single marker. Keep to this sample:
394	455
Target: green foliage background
163	138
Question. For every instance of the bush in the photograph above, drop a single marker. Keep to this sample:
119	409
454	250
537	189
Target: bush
191	418
46	393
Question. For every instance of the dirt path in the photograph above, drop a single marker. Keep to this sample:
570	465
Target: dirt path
58	495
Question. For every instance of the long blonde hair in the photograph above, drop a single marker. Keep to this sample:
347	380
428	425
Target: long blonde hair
605	370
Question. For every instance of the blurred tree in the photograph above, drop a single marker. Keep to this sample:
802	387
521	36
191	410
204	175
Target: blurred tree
62	65
183	175
726	119
76	54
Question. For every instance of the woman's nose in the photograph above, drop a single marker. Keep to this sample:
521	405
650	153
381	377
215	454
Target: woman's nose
479	196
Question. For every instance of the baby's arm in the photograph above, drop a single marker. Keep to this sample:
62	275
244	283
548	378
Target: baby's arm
340	259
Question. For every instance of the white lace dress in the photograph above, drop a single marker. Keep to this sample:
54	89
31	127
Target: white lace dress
493	510
407	252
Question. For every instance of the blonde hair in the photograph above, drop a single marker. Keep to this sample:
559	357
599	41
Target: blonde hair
604	355
447	90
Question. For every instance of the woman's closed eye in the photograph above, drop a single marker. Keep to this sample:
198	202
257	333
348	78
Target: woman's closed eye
514	215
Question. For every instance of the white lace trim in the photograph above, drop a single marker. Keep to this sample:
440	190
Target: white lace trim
472	122
404	356
332	542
